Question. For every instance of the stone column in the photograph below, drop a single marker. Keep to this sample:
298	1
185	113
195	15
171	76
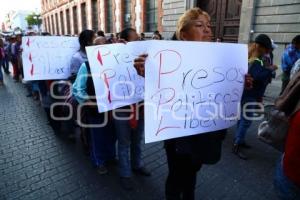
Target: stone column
160	15
133	15
99	15
71	20
89	14
138	16
79	21
118	16
102	15
114	15
246	22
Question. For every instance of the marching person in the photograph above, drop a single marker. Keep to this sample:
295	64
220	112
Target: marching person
262	75
14	57
156	36
5	64
290	56
129	139
85	38
2	60
101	137
186	155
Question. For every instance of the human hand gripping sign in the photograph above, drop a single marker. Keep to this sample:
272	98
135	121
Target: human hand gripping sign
139	64
181	89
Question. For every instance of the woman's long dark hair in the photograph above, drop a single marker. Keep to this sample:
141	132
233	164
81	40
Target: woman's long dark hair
86	39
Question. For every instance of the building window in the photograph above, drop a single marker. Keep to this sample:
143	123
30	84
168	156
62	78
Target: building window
52	23
151	15
75	20
95	15
127	14
48	24
56	23
62	23
83	16
109	20
68	30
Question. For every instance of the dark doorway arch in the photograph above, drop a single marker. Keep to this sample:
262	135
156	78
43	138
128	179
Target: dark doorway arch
225	17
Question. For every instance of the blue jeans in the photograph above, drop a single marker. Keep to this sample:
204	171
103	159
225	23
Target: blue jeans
102	140
244	123
285	189
35	86
129	140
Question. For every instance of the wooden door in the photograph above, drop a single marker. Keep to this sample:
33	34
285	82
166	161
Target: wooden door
225	17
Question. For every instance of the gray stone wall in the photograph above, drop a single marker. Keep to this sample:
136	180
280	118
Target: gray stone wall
280	19
172	9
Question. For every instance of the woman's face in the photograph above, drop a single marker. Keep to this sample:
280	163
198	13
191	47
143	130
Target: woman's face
198	30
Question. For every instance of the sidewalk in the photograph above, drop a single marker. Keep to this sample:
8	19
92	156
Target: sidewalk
37	164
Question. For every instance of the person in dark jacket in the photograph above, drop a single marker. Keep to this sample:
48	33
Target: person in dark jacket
101	135
186	155
129	131
261	75
289	57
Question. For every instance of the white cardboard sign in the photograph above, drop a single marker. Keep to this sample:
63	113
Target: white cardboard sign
115	78
48	57
192	87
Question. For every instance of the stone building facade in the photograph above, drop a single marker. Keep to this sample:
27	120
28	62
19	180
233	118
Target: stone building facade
70	17
232	20
280	19
242	20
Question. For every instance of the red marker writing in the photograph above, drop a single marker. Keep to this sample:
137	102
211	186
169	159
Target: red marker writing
28	42
32	69
171	55
106	75
107	86
30	58
99	58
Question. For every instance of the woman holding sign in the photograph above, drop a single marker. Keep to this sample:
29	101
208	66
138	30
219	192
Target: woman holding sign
187	155
129	131
99	126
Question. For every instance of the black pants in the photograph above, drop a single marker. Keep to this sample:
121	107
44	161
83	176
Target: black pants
181	181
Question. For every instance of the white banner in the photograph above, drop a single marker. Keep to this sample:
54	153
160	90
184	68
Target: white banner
48	57
192	87
115	79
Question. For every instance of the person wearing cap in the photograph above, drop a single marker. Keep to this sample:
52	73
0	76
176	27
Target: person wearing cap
289	58
261	75
268	60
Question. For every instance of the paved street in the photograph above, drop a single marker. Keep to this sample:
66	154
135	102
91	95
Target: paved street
37	164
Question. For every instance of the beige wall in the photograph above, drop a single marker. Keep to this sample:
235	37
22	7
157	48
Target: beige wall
280	19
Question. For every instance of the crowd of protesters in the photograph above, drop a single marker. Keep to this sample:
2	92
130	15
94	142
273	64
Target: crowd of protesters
186	155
